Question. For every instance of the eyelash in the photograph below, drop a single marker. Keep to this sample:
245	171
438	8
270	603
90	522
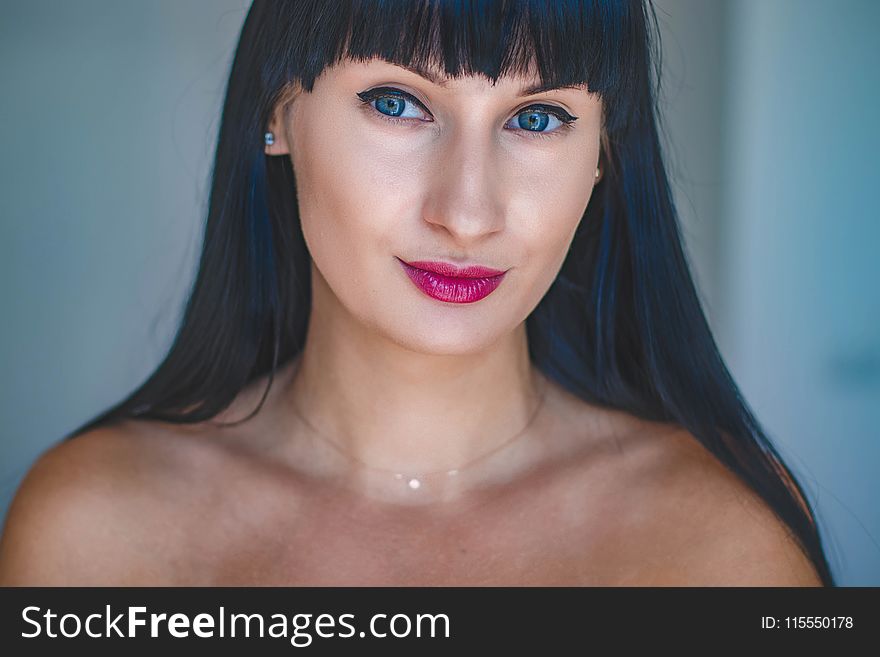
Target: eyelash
367	97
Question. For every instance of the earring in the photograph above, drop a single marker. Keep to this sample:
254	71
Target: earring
598	173
269	138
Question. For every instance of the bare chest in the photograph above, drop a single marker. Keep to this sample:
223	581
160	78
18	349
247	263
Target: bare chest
517	539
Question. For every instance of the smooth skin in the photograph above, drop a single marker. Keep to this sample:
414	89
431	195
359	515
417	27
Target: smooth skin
403	383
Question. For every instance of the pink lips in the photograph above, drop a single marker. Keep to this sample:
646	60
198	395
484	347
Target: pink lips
447	282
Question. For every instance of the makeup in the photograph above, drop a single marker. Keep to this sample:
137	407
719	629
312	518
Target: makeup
447	282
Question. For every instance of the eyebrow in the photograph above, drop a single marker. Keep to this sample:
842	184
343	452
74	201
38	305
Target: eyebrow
528	90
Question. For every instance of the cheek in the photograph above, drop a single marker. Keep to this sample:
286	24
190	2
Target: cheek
343	193
549	203
356	200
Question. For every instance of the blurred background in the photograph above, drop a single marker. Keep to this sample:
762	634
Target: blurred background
109	115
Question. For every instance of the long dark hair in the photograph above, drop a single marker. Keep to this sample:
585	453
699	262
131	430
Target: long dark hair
621	326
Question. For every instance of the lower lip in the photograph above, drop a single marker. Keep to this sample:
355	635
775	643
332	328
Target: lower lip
452	289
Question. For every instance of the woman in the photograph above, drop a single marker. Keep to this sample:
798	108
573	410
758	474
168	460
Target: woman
443	332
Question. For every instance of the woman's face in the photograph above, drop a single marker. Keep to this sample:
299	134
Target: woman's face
463	172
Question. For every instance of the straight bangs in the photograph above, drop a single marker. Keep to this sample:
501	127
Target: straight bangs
564	42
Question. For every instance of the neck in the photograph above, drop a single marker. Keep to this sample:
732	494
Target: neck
393	409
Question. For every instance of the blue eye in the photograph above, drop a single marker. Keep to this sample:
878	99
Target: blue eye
392	104
536	118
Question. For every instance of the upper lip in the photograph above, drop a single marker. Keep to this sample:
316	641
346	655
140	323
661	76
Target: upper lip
456	271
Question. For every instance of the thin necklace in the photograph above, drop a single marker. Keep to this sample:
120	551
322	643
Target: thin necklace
415	482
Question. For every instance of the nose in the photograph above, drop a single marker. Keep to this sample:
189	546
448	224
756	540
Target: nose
465	194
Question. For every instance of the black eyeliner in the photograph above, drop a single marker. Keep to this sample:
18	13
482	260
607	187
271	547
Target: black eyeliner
379	92
558	112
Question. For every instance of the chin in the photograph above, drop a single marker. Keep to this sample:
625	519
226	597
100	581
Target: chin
443	339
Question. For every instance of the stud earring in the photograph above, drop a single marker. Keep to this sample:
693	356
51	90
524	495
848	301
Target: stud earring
269	138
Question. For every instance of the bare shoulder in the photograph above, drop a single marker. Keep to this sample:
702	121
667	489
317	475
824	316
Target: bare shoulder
674	515
79	511
709	527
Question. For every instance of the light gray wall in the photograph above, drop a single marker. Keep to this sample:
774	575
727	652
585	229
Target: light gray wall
693	39
801	235
773	135
109	114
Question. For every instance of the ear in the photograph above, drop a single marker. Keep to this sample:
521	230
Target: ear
280	122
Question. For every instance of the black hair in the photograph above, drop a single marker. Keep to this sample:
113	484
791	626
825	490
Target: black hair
621	326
